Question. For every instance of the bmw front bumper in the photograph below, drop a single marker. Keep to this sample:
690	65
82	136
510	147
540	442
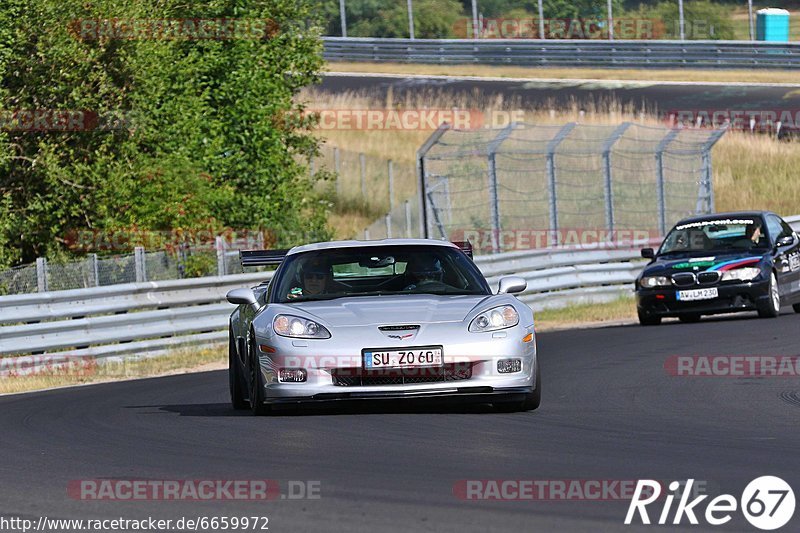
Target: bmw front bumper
732	297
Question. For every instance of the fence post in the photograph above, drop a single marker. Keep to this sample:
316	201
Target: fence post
661	195
494	201
138	262
551	179
388	219
337	167
408	219
391	185
366	234
608	144
94	269
362	164
219	244
41	274
421	192
706	179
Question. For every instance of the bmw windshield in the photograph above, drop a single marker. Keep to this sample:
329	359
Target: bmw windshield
715	235
377	271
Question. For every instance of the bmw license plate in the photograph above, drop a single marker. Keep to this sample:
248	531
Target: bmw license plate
408	358
698	294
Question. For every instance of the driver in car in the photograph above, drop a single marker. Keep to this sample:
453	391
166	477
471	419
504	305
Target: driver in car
424	271
315	279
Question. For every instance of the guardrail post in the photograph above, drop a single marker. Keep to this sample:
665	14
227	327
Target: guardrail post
366	234
139	264
551	179
424	231
94	269
219	245
608	144
41	274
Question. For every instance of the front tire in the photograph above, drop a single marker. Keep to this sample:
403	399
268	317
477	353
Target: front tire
256	382
238	400
772	306
648	320
796	308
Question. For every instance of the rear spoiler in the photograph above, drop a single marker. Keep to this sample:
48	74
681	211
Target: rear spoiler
252	258
465	246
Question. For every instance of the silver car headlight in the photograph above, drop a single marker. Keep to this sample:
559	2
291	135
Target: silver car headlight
741	274
496	318
294	326
651	282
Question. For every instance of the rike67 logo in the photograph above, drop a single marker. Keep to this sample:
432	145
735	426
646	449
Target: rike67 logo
767	503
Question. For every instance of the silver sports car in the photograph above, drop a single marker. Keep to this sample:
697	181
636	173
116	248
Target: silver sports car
397	318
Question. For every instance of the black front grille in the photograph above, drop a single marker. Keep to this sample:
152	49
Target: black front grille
354	377
684	279
708	277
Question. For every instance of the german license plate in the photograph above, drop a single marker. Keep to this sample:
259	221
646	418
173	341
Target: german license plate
409	358
698	294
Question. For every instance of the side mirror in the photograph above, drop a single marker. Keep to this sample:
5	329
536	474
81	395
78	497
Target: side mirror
243	297
787	240
648	253
512	285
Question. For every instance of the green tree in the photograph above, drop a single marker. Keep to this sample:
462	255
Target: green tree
201	147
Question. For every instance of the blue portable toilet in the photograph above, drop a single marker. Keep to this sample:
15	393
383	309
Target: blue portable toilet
772	24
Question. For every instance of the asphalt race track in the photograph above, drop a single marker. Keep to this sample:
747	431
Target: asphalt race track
610	412
659	97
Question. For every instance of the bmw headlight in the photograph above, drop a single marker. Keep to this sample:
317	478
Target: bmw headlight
294	326
741	274
651	282
496	318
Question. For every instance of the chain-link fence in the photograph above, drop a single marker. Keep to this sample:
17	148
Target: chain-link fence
367	183
217	259
533	186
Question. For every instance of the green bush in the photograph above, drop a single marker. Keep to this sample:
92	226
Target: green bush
202	144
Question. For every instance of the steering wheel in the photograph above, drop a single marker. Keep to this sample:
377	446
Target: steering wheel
426	284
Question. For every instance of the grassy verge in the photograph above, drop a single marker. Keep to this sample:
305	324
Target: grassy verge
78	373
621	309
723	76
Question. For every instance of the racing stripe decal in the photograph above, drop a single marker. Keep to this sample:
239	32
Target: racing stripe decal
736	263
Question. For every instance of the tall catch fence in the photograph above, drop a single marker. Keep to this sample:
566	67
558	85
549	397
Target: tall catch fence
536	186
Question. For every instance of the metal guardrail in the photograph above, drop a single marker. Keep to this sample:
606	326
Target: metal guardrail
587	53
150	317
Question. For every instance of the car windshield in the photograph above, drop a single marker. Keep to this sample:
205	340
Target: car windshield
715	235
377	271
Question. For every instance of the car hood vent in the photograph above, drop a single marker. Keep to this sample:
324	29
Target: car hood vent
398	328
